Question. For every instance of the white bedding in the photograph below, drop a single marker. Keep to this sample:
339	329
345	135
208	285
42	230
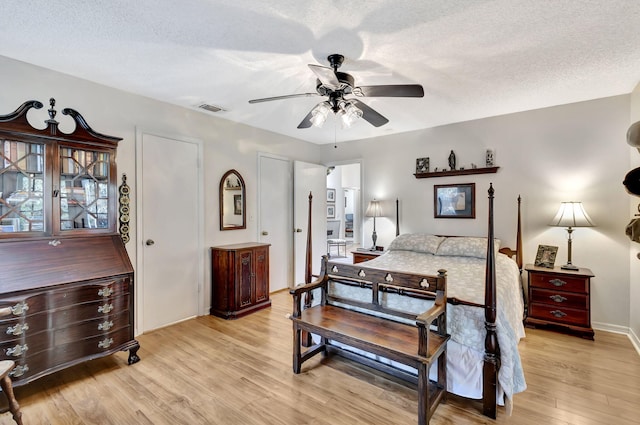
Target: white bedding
465	281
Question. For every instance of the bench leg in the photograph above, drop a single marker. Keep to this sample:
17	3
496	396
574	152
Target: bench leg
442	374
297	360
423	394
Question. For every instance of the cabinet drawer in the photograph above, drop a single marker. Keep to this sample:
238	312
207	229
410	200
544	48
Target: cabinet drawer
91	328
560	298
69	296
554	313
23	306
88	311
24	345
558	282
67	354
23	326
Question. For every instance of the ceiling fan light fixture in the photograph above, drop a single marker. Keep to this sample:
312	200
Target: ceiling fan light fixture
319	114
349	114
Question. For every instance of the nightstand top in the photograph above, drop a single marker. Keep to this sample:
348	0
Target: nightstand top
367	251
557	270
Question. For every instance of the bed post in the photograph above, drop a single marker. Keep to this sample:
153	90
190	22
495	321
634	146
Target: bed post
307	264
397	218
490	369
519	238
308	297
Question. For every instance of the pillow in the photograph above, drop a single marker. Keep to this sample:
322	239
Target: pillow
466	246
418	242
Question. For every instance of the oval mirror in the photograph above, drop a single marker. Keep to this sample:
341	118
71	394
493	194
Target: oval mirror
232	201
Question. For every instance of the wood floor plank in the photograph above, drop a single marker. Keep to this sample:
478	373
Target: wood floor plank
212	371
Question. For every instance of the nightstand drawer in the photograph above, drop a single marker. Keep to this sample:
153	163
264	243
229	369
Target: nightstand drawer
559	282
559	314
560	298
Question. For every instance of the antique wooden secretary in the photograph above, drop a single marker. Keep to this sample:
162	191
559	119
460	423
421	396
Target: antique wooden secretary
66	281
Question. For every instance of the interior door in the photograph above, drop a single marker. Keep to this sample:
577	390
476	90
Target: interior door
275	218
309	178
170	262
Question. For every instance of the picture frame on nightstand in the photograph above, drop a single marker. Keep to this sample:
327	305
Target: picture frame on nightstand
546	256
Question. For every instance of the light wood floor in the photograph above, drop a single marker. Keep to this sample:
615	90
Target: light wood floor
212	371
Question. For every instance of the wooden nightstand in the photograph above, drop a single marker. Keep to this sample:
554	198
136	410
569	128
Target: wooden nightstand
560	298
365	255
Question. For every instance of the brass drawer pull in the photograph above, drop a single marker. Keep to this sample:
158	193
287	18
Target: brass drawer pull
105	308
105	343
557	298
558	313
20	308
557	282
17	350
17	329
105	292
18	371
105	326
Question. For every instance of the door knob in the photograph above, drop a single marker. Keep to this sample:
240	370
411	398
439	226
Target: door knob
298	230
265	233
149	242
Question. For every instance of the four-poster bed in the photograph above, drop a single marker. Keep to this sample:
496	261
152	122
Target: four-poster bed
480	328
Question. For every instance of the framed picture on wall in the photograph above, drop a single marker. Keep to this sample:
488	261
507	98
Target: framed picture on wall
331	211
546	256
422	165
454	200
331	195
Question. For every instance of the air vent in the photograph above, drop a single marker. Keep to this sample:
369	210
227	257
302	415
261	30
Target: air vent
211	108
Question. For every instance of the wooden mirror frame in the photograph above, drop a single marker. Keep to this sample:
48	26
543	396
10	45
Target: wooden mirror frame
223	189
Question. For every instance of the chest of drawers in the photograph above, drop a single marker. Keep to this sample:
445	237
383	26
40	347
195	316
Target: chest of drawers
560	298
54	313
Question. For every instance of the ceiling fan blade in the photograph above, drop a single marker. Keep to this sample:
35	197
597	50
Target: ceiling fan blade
369	114
287	96
327	76
398	90
306	122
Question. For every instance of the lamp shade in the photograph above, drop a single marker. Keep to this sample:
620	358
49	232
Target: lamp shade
572	214
374	209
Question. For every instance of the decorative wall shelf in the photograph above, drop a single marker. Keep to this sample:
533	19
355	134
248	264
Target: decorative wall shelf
465	172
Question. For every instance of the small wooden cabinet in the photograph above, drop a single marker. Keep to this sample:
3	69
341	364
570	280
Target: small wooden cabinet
239	279
361	255
560	298
66	281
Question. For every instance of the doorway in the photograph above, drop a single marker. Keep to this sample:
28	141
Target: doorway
170	261
345	180
284	187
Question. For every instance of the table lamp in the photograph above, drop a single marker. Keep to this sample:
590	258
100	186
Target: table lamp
570	215
374	210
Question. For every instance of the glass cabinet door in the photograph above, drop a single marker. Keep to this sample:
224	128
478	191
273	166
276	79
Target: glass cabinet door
21	186
84	189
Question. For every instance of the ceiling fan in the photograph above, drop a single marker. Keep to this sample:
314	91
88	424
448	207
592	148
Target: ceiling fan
336	85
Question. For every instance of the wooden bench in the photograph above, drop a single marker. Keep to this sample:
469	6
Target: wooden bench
415	341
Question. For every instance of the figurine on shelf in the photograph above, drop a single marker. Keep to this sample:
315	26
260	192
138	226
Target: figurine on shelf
452	161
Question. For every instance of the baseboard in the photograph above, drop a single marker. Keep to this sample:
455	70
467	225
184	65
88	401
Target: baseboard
611	328
635	341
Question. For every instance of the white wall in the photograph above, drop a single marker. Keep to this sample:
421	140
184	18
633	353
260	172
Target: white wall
565	153
110	111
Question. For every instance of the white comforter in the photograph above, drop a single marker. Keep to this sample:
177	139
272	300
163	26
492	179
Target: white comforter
465	281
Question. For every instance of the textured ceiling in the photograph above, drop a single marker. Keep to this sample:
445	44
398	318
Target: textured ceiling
474	58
